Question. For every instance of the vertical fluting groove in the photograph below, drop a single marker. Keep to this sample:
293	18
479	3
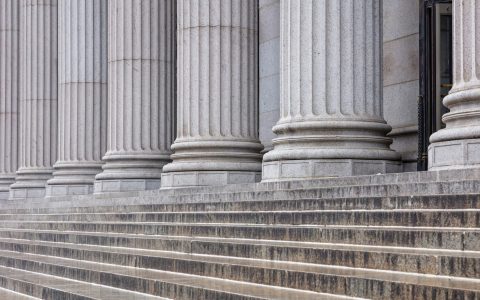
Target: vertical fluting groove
82	88
220	36
333	59
218	84
39	94
330	88
141	59
9	92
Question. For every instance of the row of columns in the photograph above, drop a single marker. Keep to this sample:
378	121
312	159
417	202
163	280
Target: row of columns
56	58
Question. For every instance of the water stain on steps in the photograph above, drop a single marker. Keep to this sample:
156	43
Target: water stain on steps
386	238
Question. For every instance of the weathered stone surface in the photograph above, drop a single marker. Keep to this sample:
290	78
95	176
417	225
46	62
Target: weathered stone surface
9	93
141	68
383	238
38	98
331	121
217	110
82	99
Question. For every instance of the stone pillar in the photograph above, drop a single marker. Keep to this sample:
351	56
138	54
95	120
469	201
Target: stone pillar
9	88
458	145
82	115
217	112
331	121
38	98
141	85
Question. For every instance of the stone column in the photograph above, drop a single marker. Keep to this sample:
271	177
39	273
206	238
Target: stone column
82	115
141	76
38	98
458	145
9	88
331	117
217	112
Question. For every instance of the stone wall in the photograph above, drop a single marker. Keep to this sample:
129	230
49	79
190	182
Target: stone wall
401	76
269	53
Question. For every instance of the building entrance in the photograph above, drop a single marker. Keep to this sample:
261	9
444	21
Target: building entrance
436	71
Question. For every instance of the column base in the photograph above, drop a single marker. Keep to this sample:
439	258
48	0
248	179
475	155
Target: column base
457	154
68	190
207	178
4	195
321	168
125	185
5	181
73	178
30	183
19	193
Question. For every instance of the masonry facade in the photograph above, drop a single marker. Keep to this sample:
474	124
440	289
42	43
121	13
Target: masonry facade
102	96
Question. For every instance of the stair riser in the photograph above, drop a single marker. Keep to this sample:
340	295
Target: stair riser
435	265
404	238
436	188
440	188
384	218
424	202
41	292
309	281
141	285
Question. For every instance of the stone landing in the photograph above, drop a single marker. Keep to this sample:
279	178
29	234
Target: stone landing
394	236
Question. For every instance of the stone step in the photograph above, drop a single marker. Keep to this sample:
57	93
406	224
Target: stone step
309	277
465	201
11	295
455	238
392	190
154	282
412	260
45	286
377	179
469	218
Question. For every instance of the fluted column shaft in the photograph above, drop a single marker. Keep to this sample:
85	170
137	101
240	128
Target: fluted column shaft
141	70
38	97
331	121
217	111
9	93
82	99
458	145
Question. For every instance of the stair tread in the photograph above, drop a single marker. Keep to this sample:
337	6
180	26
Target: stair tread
239	241
71	286
408	189
383	275
250	225
224	285
11	295
299	211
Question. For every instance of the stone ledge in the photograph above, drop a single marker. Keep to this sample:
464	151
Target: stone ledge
458	154
68	190
207	178
125	185
309	169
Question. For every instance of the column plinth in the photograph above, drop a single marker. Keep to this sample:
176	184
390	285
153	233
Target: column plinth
9	93
82	99
217	112
141	74
38	98
331	116
458	145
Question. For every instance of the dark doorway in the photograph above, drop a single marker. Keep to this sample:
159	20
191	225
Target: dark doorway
436	77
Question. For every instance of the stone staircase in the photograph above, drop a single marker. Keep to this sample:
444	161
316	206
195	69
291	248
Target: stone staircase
396	236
